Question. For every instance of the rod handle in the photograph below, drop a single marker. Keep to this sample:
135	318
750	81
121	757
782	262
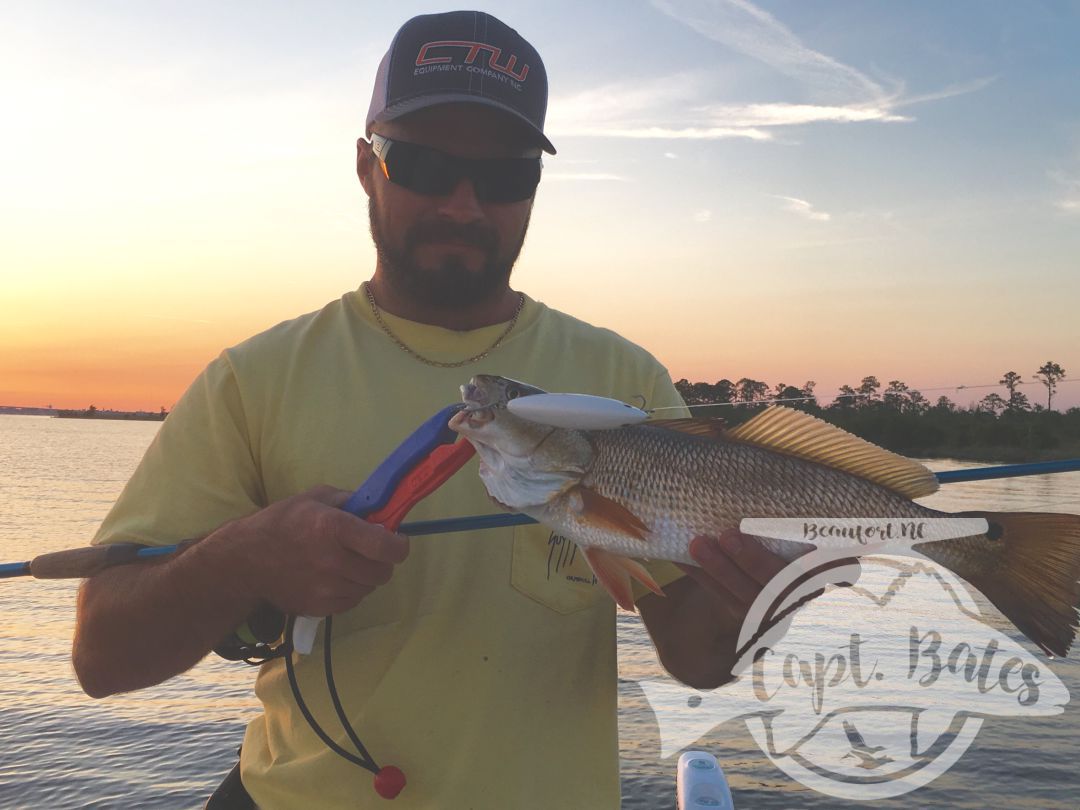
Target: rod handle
79	563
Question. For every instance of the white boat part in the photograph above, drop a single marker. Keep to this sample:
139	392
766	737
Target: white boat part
700	783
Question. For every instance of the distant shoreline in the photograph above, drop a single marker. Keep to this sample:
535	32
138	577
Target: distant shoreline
128	416
14	410
894	431
89	413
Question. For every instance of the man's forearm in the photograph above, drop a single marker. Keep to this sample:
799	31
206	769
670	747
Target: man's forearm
140	624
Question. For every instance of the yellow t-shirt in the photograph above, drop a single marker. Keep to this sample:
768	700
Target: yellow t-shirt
486	668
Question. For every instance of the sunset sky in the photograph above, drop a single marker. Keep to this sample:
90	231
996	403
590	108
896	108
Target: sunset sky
779	190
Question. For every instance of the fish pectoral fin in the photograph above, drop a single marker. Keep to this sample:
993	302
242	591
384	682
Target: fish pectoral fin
593	508
615	572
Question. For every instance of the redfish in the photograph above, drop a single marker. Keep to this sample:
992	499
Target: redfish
644	492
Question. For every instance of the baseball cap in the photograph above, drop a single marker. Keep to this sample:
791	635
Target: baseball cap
461	56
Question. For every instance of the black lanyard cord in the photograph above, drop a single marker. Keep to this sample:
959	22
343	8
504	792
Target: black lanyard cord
331	687
365	760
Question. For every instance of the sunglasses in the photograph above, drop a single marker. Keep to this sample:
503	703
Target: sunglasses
429	171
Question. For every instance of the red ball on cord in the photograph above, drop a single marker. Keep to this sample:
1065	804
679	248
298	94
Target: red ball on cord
389	781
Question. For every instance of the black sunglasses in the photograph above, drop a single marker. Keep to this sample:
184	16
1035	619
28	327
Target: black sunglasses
429	171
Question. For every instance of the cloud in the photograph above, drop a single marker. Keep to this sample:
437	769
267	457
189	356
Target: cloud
682	106
1070	202
636	98
631	109
749	30
593	176
781	115
803	209
671	156
666	133
704	215
951	91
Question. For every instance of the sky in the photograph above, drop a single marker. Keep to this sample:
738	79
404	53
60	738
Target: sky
783	190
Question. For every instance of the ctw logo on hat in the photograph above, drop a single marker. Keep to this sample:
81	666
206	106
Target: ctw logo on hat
435	53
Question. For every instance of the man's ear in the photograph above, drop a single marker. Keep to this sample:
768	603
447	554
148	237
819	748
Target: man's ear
365	160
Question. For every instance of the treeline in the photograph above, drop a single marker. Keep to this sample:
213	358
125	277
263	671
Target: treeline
900	418
93	412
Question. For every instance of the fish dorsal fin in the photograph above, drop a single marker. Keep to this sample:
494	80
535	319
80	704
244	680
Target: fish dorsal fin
600	511
799	434
703	426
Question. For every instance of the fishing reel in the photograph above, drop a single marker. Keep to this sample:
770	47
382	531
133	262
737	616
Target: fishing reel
258	640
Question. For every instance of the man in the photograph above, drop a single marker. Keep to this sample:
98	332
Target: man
483	664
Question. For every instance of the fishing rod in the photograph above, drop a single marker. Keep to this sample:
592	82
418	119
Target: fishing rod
79	563
1008	471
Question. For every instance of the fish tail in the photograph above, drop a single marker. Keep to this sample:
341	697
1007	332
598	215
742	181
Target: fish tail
1036	581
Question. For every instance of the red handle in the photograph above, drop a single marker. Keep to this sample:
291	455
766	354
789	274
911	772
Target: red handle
421	481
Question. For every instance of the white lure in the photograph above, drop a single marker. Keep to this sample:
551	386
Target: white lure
576	411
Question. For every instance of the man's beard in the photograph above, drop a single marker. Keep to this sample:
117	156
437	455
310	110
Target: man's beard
451	283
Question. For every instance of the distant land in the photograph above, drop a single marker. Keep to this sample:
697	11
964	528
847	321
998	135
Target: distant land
15	410
92	412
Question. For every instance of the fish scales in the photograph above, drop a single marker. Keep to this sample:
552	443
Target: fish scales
682	486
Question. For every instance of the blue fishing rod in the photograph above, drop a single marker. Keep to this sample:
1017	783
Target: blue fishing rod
80	563
1008	471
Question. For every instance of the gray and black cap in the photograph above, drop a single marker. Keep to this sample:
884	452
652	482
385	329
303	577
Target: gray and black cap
461	56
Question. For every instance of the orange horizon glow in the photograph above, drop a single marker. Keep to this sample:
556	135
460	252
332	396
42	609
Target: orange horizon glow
141	369
140	350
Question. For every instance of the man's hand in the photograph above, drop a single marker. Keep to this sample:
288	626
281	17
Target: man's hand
138	625
306	556
696	628
733	567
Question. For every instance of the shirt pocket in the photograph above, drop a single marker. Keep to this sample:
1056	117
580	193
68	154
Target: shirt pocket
552	570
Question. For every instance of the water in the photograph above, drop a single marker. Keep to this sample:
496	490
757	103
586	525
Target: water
168	747
164	747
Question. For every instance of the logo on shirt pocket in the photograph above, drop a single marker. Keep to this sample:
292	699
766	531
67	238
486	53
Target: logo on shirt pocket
552	570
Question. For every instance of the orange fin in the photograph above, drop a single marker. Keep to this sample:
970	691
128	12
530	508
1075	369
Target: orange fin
705	427
614	573
801	435
594	508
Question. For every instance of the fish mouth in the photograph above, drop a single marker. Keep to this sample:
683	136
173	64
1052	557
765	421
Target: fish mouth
473	396
477	411
471	418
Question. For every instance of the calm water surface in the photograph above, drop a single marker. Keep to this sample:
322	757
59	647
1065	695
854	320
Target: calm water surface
167	747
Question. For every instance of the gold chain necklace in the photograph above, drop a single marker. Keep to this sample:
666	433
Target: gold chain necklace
410	351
